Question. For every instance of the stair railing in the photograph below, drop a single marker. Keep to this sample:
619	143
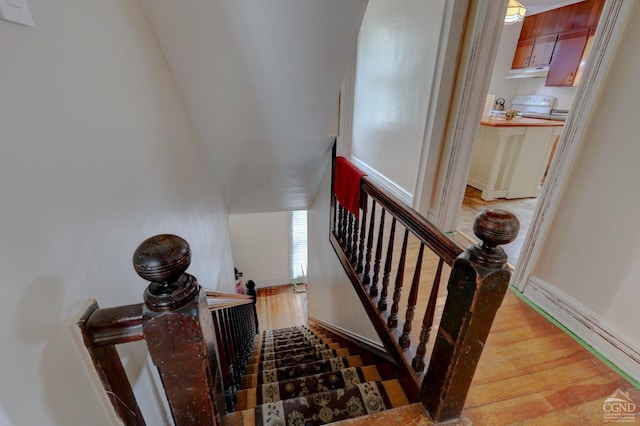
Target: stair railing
200	340
478	280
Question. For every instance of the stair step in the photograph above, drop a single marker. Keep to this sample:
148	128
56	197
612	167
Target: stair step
325	407
412	414
256	358
297	345
296	360
249	398
255	379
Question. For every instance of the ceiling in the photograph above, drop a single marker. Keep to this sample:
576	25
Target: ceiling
537	6
260	80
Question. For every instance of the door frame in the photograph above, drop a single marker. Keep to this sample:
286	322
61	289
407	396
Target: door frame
467	109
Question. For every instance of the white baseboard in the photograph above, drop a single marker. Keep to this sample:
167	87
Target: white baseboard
587	325
372	345
271	282
386	183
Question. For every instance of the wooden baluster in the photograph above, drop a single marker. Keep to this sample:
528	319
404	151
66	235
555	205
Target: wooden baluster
237	354
349	234
233	358
373	291
363	231
178	329
237	338
418	363
249	327
478	282
367	264
392	321
387	268
225	366
339	222
405	339
343	227
354	248
251	291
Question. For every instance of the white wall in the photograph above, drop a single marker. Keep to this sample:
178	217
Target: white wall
397	52
592	251
260	247
500	86
332	298
97	154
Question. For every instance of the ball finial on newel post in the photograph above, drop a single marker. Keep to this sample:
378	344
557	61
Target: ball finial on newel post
178	329
493	228
163	260
477	285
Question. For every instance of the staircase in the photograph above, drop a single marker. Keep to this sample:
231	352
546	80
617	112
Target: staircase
308	375
201	340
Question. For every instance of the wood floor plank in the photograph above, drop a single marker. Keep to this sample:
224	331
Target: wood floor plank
493	370
535	382
542	404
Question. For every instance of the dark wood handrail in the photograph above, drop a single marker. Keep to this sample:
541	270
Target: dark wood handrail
212	294
113	326
425	231
226	305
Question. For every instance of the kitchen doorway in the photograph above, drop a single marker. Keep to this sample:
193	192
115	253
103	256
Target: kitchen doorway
512	157
458	149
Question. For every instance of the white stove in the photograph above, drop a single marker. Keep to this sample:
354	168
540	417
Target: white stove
536	106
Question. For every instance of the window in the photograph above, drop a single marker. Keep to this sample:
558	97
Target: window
298	245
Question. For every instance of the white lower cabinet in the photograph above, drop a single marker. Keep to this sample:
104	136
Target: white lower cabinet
511	162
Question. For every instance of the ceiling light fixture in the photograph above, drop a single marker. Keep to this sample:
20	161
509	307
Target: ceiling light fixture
515	12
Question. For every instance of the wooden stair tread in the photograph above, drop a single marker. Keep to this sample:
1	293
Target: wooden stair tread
376	379
411	414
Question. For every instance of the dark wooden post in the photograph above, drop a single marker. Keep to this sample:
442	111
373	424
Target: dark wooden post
477	285
178	328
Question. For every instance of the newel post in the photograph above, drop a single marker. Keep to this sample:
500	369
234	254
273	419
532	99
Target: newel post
477	285
178	328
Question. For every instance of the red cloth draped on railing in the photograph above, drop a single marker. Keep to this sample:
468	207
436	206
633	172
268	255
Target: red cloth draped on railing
347	185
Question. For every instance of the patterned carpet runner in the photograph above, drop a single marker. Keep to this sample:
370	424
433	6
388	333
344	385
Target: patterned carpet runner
302	382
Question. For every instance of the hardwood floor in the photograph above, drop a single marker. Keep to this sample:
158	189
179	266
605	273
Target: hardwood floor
523	208
530	373
280	307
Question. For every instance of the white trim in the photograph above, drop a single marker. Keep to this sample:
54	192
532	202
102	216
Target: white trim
478	57
365	340
386	183
76	336
608	34
272	282
443	83
587	325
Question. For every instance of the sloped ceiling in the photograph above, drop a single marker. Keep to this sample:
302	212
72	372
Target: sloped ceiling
261	81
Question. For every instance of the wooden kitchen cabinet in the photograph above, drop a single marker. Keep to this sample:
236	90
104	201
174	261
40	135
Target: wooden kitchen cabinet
543	49
541	35
534	53
523	54
566	59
